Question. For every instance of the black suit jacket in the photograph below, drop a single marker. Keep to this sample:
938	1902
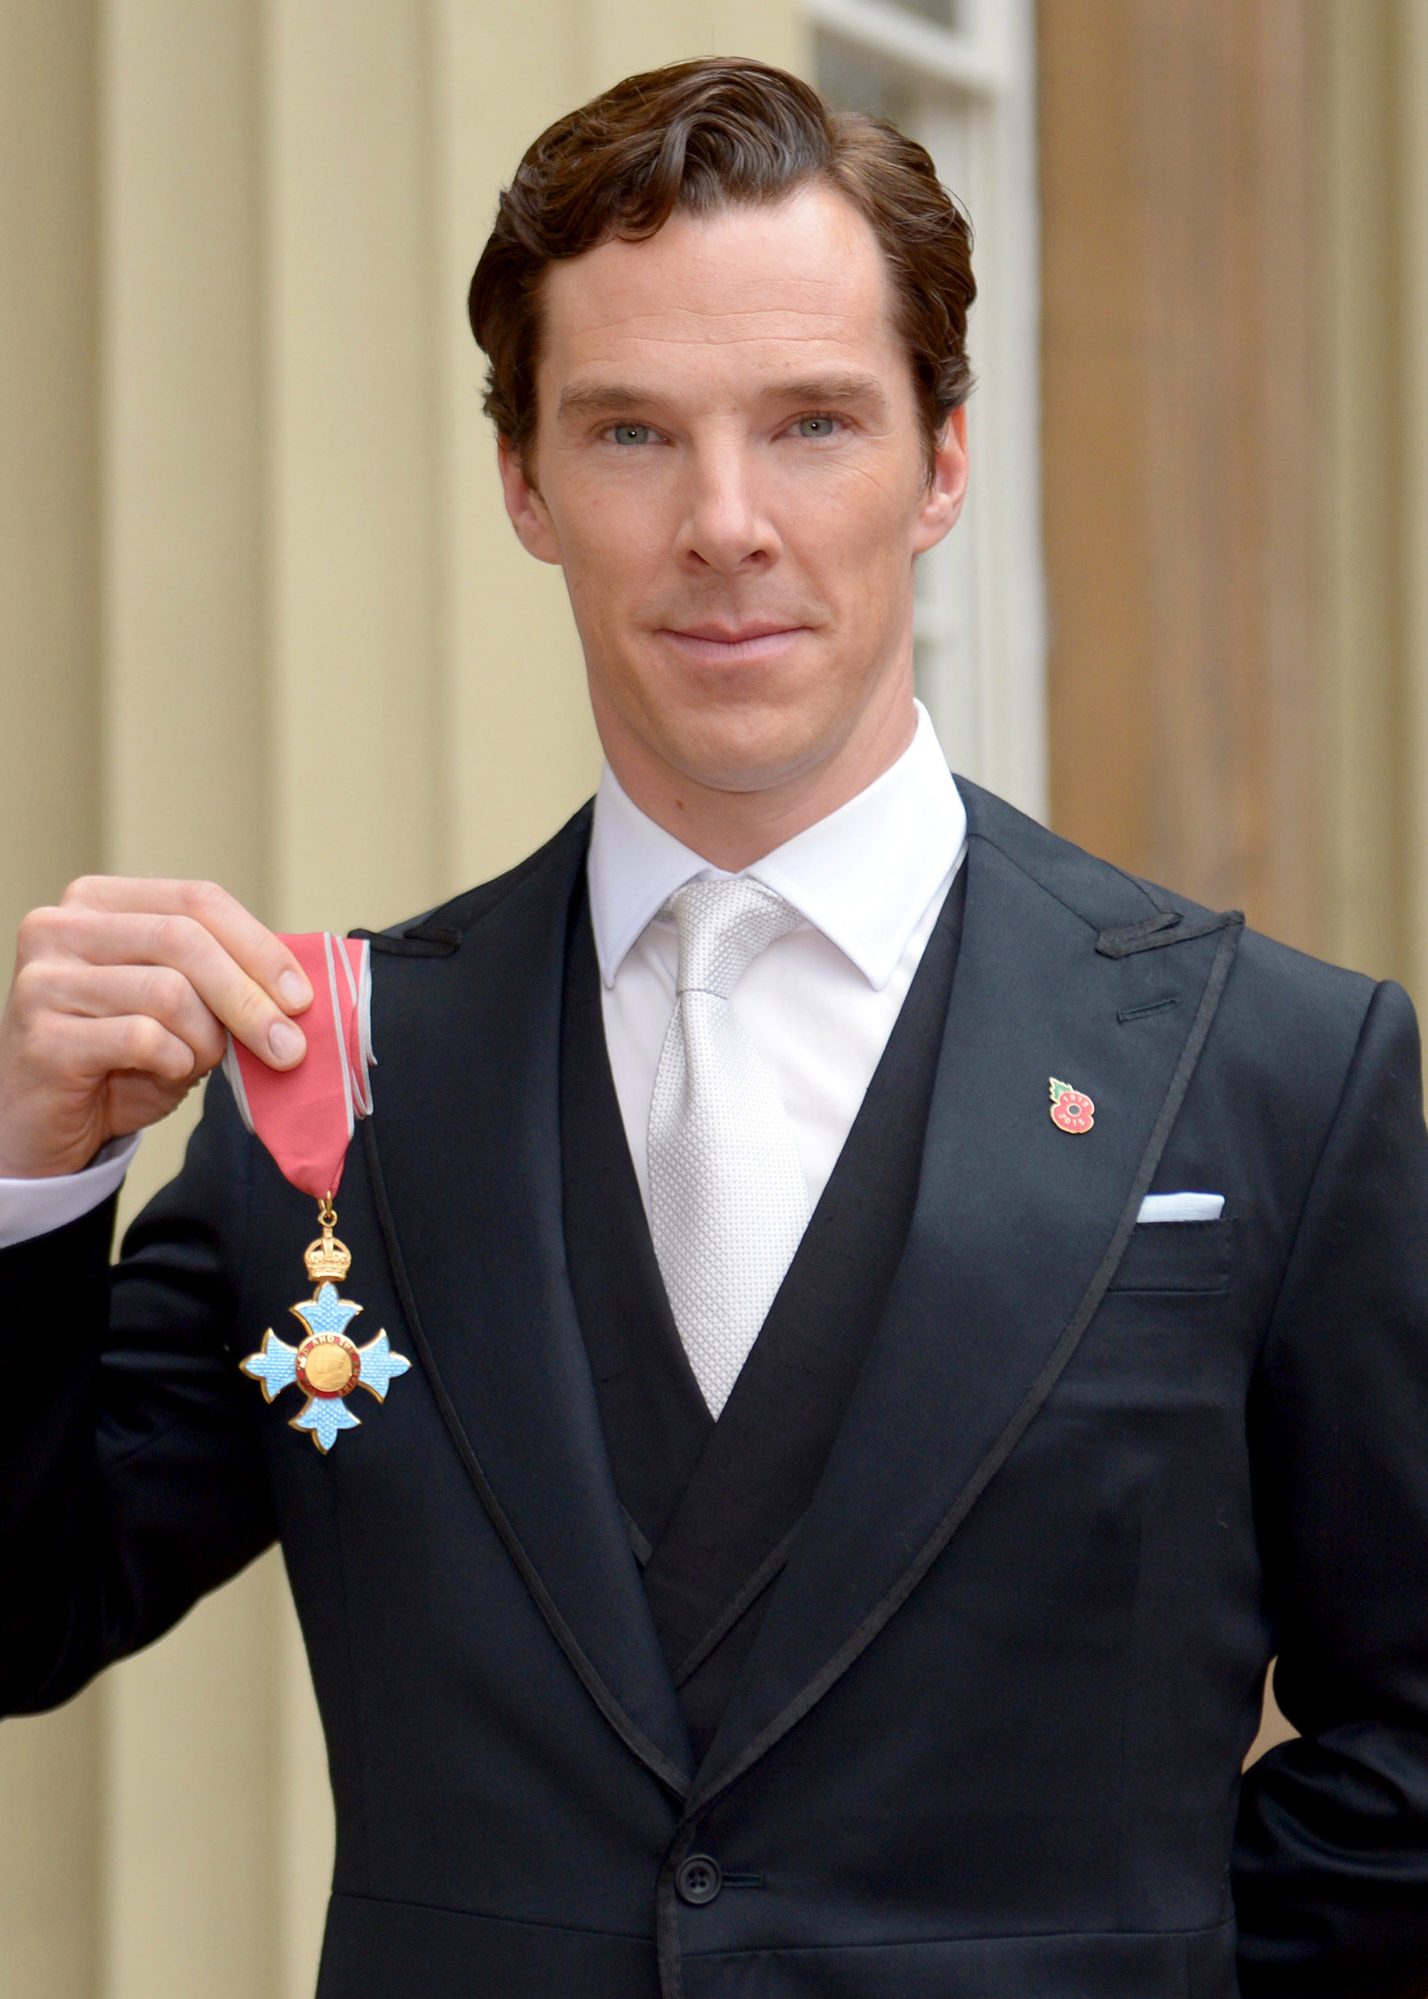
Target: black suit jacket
986	1741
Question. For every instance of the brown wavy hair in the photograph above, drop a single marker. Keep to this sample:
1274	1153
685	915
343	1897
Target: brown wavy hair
702	136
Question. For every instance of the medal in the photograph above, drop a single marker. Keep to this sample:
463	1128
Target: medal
327	1365
306	1117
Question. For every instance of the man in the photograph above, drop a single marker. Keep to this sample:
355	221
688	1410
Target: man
905	1320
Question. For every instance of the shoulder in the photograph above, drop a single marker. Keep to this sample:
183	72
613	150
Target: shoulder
1276	997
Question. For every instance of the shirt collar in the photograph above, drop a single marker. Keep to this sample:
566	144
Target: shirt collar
863	876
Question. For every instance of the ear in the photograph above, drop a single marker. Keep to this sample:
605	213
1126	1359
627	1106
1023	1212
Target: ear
530	517
942	501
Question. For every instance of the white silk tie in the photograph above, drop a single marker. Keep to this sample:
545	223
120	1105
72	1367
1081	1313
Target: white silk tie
728	1194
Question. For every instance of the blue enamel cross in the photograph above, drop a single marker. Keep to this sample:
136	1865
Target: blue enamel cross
326	1366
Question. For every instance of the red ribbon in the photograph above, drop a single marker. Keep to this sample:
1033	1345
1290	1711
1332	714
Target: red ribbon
306	1116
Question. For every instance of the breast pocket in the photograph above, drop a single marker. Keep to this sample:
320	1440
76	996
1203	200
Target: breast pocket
1177	1256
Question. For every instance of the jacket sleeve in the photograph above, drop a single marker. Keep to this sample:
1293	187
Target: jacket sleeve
1331	1866
130	1478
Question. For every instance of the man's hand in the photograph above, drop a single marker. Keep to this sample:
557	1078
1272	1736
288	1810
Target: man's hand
120	1003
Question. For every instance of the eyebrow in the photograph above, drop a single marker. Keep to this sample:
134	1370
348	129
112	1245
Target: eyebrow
603	399
610	399
839	388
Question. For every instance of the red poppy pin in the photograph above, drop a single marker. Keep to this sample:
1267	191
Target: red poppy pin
1071	1110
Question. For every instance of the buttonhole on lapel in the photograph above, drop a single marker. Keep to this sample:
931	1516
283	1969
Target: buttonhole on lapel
1144	1007
743	1880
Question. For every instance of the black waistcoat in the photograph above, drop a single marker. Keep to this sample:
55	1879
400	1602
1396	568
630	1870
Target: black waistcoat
714	1507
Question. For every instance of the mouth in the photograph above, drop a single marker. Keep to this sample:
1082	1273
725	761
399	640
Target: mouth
730	645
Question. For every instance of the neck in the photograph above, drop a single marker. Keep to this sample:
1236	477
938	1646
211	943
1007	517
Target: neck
733	828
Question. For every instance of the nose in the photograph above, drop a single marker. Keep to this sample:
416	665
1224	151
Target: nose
726	523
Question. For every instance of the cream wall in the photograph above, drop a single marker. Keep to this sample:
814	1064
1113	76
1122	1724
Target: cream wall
263	620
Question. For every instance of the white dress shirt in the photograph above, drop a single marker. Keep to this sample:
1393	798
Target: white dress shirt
818	1004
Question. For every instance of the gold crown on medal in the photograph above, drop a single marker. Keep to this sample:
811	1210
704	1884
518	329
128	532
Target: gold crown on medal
327	1258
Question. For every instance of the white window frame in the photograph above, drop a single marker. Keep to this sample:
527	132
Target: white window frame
981	595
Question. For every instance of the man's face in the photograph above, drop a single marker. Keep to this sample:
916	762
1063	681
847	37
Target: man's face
729	468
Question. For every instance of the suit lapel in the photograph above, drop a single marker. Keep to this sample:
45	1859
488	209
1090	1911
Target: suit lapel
1017	1229
464	1153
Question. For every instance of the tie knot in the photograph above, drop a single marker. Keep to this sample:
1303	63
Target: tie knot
723	926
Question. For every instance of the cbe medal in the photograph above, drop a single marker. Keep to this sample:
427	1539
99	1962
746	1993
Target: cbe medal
305	1117
327	1366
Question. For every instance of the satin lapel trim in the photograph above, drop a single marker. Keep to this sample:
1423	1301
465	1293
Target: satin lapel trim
1017	1231
464	1155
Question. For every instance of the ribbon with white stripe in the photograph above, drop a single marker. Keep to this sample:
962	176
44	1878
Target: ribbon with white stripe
306	1116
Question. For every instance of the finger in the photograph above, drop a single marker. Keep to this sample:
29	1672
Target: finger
98	992
89	1050
237	1001
251	945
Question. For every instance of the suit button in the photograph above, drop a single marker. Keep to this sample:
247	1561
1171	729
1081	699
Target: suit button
698	1880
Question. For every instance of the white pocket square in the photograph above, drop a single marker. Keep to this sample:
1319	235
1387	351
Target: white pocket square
1181	1208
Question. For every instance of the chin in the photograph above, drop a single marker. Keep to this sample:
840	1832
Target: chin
739	764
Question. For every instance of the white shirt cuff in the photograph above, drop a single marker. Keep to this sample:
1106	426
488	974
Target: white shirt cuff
31	1208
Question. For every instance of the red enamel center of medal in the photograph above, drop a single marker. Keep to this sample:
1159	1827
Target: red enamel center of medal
328	1365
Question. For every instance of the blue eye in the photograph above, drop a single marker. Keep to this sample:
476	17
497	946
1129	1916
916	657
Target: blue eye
816	426
630	433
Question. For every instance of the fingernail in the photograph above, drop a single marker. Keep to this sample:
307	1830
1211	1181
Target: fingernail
286	1041
294	990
